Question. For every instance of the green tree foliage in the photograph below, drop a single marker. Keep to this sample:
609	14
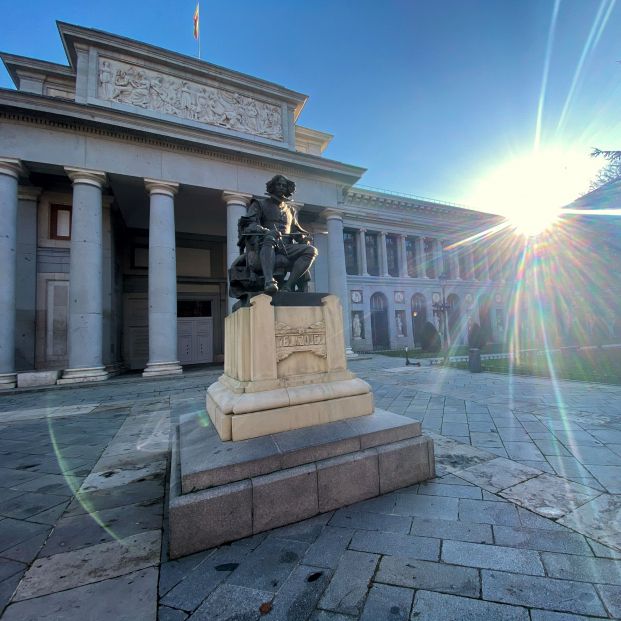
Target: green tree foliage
610	172
430	339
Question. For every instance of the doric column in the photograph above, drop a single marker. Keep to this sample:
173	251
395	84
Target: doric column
337	275
85	321
458	254
470	263
486	270
383	255
438	256
9	172
236	204
421	259
162	280
362	251
403	259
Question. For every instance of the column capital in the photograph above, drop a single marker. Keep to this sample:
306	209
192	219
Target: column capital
87	177
156	186
332	214
362	229
236	198
10	167
28	193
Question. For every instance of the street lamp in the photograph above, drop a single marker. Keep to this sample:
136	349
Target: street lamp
442	308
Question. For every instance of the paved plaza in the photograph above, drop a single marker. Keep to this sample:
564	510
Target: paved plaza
523	521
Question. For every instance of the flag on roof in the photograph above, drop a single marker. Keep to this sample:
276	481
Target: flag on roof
196	24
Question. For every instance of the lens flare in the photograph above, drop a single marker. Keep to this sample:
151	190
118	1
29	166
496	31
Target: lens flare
530	190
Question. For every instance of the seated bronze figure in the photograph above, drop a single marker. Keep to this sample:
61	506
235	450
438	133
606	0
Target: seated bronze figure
272	245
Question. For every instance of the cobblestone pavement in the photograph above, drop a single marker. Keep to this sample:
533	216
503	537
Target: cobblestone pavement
523	521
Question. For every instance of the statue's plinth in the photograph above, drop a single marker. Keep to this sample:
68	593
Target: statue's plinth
285	368
309	439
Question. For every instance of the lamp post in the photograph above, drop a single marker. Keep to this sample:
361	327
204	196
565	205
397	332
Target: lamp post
441	309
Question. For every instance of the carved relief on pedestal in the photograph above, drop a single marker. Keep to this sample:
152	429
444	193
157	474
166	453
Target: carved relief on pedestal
151	90
290	340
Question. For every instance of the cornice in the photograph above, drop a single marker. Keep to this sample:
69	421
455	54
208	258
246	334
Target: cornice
49	111
74	36
15	64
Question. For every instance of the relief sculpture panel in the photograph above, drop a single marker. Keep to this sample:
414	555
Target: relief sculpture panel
151	90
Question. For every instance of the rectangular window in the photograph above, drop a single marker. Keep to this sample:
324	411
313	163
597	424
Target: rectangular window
60	222
429	258
392	255
372	254
351	254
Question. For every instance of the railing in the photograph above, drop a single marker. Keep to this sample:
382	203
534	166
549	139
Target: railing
413	196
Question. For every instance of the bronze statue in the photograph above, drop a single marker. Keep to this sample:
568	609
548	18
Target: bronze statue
272	243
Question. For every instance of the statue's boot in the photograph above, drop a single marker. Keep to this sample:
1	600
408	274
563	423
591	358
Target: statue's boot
300	267
267	255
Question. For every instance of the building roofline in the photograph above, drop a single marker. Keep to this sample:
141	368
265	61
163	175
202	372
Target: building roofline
14	62
411	200
71	34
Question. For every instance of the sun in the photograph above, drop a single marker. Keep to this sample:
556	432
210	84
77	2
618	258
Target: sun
531	189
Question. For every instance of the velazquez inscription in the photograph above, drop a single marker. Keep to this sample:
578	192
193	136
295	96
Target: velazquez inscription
290	340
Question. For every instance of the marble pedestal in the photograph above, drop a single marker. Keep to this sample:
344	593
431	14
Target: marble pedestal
285	368
222	491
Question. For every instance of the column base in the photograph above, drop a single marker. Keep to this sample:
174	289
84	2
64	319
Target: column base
350	353
8	381
155	369
84	374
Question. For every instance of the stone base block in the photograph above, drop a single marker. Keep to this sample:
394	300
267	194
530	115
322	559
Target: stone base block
85	374
37	378
285	409
219	495
157	369
8	381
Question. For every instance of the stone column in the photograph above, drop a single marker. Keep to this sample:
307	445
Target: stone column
236	204
383	255
337	275
470	263
458	271
438	256
421	259
162	280
362	250
486	270
403	260
9	172
85	320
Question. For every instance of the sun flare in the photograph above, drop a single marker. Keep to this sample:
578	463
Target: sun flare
531	189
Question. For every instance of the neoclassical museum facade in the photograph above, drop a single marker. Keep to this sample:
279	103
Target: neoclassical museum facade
122	177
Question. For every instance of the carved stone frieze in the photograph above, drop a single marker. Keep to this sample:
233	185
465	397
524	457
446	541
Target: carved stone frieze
290	340
151	90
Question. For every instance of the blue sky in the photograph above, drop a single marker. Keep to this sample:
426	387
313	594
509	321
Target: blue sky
429	96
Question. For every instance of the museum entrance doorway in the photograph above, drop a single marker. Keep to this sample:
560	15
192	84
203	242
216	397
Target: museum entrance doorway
195	331
379	321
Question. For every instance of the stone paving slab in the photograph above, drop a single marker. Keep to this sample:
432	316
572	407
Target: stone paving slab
132	597
92	564
438	607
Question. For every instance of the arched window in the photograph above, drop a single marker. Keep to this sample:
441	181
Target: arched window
419	316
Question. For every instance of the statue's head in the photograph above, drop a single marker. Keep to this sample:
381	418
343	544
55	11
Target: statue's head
279	185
